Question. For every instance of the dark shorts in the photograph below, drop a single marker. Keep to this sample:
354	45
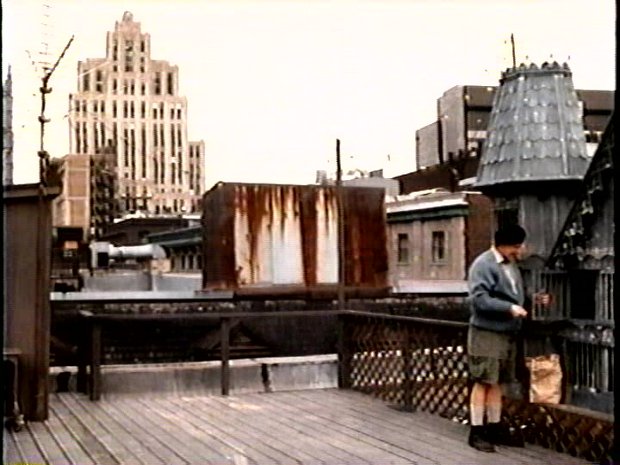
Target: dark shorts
491	356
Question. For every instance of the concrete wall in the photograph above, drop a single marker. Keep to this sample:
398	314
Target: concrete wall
204	378
143	281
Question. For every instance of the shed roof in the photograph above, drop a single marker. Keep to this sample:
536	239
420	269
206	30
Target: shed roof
536	128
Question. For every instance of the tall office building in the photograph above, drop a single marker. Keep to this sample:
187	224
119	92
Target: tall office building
7	130
463	113
131	102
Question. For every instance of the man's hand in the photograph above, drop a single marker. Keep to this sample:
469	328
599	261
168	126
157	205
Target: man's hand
542	298
518	311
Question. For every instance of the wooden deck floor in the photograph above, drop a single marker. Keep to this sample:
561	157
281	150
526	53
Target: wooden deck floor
299	427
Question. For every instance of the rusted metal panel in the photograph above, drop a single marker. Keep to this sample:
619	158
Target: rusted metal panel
218	244
288	235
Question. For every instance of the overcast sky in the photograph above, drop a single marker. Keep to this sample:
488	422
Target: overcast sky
271	85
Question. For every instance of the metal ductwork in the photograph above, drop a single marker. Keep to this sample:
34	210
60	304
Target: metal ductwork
103	251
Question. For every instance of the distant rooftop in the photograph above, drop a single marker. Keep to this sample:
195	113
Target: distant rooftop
536	130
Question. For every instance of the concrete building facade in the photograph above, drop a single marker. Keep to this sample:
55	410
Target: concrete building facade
131	102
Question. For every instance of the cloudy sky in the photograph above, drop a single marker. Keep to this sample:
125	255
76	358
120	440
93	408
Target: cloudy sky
271	84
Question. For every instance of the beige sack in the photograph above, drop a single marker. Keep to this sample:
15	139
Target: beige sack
545	379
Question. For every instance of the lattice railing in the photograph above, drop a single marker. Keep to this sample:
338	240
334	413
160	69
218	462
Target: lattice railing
421	364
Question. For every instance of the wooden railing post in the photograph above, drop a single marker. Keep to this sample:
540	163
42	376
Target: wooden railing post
345	353
407	369
95	361
225	349
82	354
82	361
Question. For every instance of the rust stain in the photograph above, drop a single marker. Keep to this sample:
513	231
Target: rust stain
308	212
364	222
254	201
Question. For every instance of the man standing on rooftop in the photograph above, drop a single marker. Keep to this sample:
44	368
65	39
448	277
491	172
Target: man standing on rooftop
496	297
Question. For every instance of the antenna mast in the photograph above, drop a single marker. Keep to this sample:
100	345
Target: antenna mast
514	57
44	89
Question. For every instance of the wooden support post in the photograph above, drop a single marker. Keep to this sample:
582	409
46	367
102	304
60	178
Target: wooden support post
407	369
95	361
345	354
84	349
225	348
82	356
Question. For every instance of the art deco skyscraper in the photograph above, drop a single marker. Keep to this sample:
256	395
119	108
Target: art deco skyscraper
131	103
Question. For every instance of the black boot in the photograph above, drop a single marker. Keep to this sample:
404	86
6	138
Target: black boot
478	441
502	435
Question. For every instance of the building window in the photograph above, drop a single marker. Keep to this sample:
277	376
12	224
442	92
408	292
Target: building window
506	212
439	246
86	82
403	248
128	56
157	84
99	81
78	140
170	84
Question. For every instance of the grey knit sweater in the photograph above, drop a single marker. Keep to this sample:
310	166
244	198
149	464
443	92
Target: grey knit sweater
491	295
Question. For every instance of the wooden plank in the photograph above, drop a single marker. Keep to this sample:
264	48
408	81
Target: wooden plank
297	427
40	440
451	435
27	446
11	450
97	449
421	441
118	427
255	422
194	440
292	432
335	428
144	429
74	451
114	438
249	445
